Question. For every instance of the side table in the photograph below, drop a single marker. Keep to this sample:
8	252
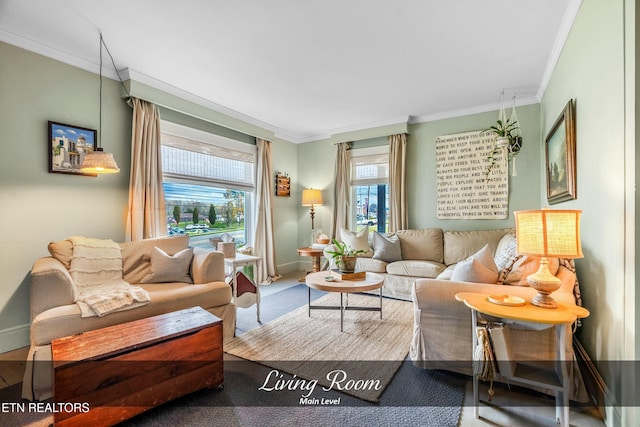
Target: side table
557	379
240	260
315	254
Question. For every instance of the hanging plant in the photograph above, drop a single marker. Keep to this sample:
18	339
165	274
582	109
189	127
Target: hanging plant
508	137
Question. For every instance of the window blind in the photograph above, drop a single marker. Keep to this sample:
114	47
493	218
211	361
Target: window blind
371	169
188	161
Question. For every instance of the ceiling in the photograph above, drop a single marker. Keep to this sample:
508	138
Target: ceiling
309	70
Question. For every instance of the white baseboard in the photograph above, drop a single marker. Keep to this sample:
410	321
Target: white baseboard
290	267
14	338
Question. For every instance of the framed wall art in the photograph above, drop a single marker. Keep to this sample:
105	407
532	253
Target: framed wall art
560	155
68	145
283	185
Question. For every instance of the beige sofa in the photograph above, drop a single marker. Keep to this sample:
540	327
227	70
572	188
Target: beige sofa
54	313
442	327
426	253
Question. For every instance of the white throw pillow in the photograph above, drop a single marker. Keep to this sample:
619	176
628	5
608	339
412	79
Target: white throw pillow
167	269
479	267
506	251
357	240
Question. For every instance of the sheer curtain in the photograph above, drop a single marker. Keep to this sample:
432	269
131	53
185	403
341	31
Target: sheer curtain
341	199
146	217
398	219
264	245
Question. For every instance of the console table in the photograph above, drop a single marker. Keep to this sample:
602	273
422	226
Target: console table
525	375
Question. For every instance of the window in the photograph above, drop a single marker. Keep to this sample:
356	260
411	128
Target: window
208	183
370	188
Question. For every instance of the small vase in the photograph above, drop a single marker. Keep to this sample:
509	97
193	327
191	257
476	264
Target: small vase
347	264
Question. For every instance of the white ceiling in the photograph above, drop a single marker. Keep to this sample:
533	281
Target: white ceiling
310	69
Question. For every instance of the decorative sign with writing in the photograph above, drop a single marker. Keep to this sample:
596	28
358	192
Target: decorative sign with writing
465	190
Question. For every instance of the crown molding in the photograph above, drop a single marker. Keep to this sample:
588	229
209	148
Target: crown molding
520	102
188	96
57	54
561	38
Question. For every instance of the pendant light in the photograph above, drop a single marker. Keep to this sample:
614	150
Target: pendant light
99	161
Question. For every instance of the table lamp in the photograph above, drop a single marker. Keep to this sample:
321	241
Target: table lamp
547	233
312	197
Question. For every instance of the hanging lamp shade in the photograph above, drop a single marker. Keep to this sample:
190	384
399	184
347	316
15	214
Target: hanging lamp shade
99	161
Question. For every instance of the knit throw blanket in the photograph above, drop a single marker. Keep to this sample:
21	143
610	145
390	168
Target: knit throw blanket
96	269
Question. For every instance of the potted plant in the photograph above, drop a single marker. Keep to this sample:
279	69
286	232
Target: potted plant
344	257
507	136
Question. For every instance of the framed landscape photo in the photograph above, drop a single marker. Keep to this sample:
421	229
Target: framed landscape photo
560	154
68	145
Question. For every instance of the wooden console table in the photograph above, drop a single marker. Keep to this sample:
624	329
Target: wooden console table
524	375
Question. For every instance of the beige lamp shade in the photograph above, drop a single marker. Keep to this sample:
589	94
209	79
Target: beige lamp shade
311	197
99	161
549	233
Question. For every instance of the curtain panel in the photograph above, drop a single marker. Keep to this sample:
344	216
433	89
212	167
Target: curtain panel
146	217
341	196
398	217
264	244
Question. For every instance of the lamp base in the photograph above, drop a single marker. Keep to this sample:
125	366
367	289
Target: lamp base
545	283
544	300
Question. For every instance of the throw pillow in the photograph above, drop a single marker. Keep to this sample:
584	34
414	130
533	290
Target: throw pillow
506	251
357	240
62	251
479	267
167	268
386	247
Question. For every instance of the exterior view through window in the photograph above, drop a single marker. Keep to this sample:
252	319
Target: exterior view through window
371	207
208	184
370	188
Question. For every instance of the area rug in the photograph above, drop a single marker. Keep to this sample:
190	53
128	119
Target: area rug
360	361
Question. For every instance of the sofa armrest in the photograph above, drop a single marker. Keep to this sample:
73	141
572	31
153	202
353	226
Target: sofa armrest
438	296
51	285
207	266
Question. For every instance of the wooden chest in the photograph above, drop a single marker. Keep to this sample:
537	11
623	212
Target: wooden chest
106	376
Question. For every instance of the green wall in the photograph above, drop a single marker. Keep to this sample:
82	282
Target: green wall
37	206
316	162
421	169
594	70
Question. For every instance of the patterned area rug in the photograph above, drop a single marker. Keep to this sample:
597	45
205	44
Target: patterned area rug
360	361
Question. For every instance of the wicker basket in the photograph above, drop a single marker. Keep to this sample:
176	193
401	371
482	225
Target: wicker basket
228	249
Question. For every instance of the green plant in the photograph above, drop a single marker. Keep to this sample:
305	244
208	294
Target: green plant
504	129
341	250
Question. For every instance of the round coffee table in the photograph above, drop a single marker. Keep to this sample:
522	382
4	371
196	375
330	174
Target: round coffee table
317	281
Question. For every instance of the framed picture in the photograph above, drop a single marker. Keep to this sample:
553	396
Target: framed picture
67	147
560	154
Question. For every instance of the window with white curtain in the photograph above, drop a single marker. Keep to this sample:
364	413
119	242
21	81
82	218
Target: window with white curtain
370	188
209	183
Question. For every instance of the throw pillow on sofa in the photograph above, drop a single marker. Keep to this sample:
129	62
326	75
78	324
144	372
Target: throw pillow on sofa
167	268
479	267
357	240
506	251
386	247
